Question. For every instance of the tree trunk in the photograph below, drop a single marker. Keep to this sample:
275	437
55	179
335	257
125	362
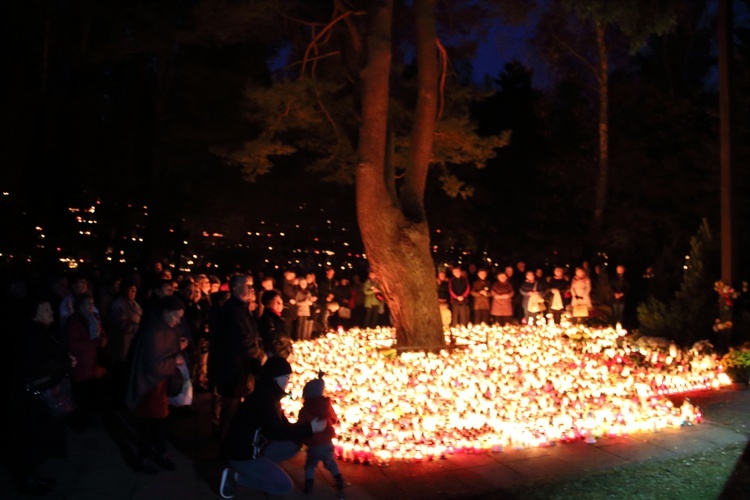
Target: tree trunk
728	241
602	181
397	246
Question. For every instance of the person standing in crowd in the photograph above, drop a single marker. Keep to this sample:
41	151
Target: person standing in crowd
502	300
288	294
580	289
266	285
480	290
326	296
344	294
600	289
516	279
620	289
37	434
533	296
273	330
124	320
161	289
557	286
67	305
373	304
157	353
444	297
459	290
194	327
260	436
319	445
305	301
235	339
86	340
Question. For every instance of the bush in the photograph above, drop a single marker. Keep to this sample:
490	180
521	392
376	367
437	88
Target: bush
737	363
690	315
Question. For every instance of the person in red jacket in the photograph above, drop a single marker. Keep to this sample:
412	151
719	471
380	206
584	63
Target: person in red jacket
319	445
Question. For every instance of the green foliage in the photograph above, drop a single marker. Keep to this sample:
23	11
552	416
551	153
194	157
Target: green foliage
737	363
636	19
690	315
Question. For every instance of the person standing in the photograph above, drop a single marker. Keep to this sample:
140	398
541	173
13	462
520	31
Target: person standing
124	320
480	290
373	304
502	300
459	289
580	289
620	290
37	434
319	445
236	338
533	296
327	296
558	286
86	341
157	353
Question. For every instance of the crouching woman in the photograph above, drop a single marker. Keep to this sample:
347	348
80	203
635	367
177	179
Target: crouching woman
260	436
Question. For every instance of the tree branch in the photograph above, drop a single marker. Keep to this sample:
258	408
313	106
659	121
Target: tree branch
443	74
326	29
425	114
579	56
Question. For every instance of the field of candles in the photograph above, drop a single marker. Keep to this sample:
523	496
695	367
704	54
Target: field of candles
497	388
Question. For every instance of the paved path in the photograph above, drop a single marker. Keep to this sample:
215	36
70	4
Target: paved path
96	469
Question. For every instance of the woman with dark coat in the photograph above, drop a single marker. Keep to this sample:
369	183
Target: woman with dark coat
37	434
260	436
273	328
157	352
85	339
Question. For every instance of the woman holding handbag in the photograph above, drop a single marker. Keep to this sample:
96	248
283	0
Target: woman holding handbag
580	289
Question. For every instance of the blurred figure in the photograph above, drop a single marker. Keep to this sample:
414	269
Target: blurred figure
620	289
502	304
480	290
580	289
86	341
459	289
157	353
125	318
558	286
37	434
373	304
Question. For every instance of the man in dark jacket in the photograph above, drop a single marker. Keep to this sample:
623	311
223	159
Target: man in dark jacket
620	291
459	290
235	340
260	436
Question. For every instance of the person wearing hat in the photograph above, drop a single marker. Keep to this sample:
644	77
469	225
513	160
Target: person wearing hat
260	436
319	445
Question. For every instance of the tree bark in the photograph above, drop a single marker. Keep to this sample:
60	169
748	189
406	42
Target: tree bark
602	181
397	245
728	241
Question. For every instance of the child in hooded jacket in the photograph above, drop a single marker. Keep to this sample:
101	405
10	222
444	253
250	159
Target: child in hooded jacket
319	446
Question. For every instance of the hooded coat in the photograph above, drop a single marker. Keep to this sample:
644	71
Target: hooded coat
153	360
319	407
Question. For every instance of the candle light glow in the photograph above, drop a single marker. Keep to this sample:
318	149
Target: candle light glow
512	386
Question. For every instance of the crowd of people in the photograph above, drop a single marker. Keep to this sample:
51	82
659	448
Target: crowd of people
519	295
142	344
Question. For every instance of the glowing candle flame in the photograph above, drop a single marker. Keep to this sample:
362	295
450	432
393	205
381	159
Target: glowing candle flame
500	387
